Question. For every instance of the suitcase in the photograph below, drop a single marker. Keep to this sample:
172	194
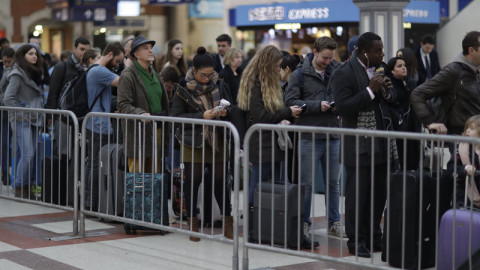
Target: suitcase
271	200
57	186
145	200
393	225
112	179
460	226
475	262
146	196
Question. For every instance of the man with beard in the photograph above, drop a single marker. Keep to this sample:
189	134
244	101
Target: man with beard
100	80
359	101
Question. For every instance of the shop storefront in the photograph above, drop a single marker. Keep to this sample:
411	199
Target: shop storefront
295	26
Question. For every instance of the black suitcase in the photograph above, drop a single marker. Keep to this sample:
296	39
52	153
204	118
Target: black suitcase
284	209
112	179
58	187
393	226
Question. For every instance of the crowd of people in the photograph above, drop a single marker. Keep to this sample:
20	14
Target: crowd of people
273	87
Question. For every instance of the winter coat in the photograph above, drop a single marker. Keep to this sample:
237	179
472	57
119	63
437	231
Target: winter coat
133	99
457	85
62	73
185	106
23	92
232	81
259	114
312	93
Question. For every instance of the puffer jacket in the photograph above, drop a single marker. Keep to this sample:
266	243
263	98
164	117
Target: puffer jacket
23	92
312	93
459	90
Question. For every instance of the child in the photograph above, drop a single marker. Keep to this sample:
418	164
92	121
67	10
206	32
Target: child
472	129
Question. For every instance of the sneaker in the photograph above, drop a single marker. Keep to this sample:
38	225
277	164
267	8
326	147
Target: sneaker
337	230
306	228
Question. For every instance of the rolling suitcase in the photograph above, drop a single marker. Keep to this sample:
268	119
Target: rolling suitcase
464	223
270	200
146	197
393	246
112	180
56	183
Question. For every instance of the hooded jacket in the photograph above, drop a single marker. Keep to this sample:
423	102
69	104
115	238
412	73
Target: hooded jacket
312	93
458	86
23	92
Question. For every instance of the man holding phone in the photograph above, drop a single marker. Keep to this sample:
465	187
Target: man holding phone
307	87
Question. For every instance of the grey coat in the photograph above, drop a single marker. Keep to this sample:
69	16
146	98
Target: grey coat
23	92
133	99
312	93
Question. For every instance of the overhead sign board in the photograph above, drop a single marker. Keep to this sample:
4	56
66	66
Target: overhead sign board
170	2
83	14
327	11
206	9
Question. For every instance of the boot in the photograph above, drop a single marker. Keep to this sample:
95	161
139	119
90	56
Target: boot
228	227
194	223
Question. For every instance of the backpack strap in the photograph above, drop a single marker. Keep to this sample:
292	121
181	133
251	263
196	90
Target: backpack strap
99	94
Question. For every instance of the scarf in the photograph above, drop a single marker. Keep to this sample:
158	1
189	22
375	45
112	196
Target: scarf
207	96
366	119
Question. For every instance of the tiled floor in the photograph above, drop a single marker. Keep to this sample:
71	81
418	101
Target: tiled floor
26	230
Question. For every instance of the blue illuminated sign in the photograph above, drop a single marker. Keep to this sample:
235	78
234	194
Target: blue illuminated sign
327	11
422	12
304	12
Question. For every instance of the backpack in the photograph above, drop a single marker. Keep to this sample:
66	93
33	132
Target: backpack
74	95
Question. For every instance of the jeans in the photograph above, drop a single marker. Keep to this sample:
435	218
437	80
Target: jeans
307	150
266	173
25	151
6	133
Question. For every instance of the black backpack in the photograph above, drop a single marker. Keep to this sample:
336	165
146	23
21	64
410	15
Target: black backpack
74	95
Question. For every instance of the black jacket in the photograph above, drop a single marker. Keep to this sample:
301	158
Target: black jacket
232	81
312	93
218	63
459	90
350	100
62	73
259	114
422	71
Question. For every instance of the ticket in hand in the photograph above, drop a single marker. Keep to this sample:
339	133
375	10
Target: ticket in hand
223	103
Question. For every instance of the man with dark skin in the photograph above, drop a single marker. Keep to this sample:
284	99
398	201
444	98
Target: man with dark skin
359	89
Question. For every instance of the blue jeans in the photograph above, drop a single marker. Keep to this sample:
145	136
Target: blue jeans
266	173
25	151
307	150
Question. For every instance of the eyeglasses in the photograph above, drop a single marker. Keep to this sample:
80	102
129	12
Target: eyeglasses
203	75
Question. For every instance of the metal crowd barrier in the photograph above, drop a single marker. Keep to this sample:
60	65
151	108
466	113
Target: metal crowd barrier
135	193
47	173
277	216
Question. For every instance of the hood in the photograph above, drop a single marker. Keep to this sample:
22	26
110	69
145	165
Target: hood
460	58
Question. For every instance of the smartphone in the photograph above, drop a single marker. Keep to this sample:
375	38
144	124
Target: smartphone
304	108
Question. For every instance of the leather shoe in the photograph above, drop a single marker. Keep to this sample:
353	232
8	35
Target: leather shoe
361	251
307	243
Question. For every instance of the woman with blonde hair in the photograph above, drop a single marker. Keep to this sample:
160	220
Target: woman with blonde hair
260	95
232	72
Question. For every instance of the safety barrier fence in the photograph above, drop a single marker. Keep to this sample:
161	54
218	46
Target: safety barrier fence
404	189
126	166
31	161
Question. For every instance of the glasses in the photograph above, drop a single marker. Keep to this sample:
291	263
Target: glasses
203	75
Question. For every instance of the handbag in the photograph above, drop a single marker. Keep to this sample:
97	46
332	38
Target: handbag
189	137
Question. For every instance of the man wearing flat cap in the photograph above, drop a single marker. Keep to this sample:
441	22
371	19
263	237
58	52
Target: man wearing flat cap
100	79
141	92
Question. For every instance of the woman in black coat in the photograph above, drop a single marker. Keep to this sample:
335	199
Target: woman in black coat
197	97
402	115
232	73
260	95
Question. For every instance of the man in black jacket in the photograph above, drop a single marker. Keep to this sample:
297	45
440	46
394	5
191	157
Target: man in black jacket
358	98
66	71
61	75
224	42
427	59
